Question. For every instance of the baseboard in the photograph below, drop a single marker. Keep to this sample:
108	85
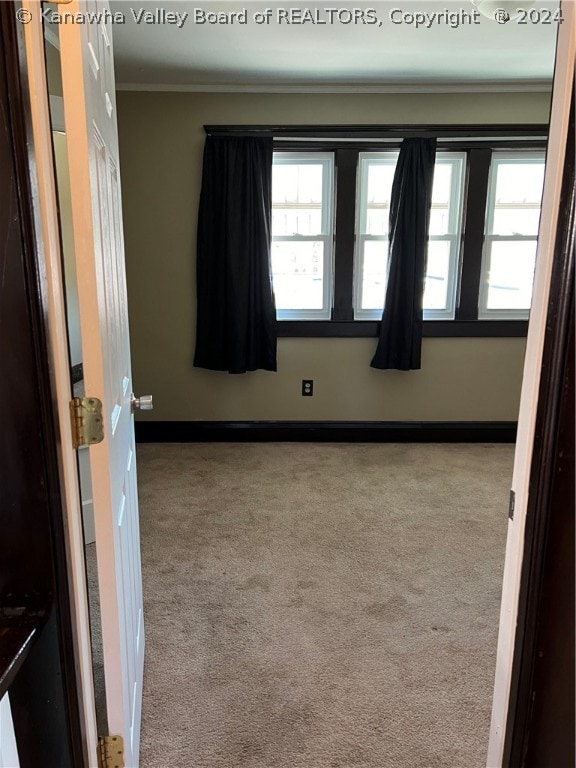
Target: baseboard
326	431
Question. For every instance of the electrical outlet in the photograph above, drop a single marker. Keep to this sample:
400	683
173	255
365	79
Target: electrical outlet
307	387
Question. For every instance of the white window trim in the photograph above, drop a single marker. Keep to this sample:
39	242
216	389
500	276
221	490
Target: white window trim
326	159
456	205
455	227
365	159
484	313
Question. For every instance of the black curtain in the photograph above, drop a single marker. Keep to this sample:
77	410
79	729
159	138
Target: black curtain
236	314
401	328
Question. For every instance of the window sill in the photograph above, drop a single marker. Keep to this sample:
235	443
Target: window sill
431	328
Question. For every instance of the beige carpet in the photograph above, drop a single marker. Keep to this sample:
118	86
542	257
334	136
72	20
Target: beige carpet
320	606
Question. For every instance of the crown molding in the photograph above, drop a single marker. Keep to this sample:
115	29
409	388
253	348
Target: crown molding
532	86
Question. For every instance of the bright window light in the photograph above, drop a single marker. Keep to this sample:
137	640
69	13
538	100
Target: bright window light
302	215
511	234
375	177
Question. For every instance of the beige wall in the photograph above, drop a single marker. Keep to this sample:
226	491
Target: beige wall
53	70
54	75
161	142
67	233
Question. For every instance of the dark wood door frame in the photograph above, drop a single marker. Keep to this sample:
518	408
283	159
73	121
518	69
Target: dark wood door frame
40	725
548	574
40	675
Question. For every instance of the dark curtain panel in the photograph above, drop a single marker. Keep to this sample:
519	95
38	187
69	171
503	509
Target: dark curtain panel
236	314
401	329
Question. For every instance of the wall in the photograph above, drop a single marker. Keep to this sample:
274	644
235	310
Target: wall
72	310
54	78
53	69
161	142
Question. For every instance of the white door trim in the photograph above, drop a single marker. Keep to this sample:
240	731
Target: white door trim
559	115
47	233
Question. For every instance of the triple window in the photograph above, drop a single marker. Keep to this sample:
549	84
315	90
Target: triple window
305	194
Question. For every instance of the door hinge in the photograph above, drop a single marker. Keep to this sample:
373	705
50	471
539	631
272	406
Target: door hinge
86	421
110	752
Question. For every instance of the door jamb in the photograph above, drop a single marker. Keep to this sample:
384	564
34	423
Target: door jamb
54	295
47	226
529	401
560	314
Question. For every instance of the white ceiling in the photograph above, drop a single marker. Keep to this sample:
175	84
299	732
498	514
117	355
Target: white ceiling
339	56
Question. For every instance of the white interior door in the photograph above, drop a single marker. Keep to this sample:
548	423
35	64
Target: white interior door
90	123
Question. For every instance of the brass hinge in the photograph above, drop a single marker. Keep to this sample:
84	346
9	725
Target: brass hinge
110	752
86	421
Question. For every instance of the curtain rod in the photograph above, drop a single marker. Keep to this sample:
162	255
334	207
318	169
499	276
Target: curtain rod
384	132
441	140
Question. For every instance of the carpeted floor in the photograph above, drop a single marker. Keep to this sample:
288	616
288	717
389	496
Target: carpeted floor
320	605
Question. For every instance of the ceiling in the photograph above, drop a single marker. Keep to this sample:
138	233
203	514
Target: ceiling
337	55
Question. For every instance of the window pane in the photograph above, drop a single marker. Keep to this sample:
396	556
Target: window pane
437	275
518	182
377	220
380	178
445	212
511	273
297	221
442	183
378	192
284	183
375	190
439	220
374	274
297	198
516	221
302	192
517	197
297	183
298	269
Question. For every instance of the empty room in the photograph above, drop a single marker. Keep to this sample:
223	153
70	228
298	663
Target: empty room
330	227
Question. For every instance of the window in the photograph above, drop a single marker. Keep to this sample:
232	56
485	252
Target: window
302	234
512	220
375	177
330	213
